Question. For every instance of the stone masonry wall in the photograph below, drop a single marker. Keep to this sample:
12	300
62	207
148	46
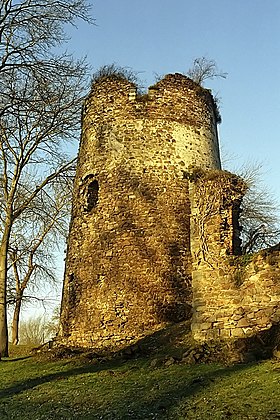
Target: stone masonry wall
233	296
128	268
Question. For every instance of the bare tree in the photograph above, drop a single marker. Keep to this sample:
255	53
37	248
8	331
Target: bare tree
52	324
259	218
33	331
40	101
34	240
203	69
37	330
29	29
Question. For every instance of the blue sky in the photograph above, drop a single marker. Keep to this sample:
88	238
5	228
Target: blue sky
164	36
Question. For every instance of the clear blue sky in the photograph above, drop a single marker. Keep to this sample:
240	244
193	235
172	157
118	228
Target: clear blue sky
164	36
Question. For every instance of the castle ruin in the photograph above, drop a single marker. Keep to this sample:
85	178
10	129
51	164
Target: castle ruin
154	232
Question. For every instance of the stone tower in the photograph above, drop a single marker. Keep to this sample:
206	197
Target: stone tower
128	263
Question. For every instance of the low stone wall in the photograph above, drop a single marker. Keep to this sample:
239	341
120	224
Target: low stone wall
233	296
238	303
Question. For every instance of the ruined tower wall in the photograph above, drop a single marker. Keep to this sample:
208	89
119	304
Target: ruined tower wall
128	261
233	296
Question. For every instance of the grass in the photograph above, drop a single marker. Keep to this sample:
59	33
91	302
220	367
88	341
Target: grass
82	387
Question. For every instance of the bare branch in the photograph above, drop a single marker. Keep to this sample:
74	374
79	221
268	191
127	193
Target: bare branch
260	212
204	69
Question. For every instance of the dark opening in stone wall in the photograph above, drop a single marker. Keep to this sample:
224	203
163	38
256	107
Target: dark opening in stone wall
92	195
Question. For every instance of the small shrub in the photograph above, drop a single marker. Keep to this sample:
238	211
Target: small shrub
112	71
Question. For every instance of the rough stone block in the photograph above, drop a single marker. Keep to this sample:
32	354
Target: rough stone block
243	322
225	333
237	332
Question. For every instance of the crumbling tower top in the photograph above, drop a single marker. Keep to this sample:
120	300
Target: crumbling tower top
175	104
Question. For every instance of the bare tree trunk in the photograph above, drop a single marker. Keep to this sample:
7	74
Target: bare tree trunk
15	324
3	294
3	312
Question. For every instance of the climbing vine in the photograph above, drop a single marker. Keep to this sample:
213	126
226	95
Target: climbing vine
215	194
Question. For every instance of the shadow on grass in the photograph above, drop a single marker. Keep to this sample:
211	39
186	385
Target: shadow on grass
169	397
155	400
28	384
139	400
15	359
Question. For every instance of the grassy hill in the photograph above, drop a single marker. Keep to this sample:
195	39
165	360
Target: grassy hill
156	384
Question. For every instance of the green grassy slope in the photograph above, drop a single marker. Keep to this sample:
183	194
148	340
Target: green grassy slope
82	387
